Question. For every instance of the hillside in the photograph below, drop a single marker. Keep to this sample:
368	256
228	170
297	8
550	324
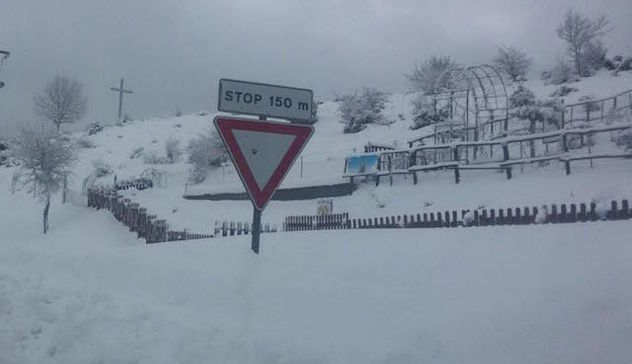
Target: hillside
323	162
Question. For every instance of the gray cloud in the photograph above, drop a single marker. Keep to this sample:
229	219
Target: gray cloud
172	53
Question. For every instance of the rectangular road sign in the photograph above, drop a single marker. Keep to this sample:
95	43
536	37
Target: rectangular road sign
262	99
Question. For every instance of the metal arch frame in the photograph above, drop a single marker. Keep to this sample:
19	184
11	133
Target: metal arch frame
3	56
485	85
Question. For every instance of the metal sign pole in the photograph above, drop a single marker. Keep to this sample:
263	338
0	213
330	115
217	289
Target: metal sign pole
256	218
256	229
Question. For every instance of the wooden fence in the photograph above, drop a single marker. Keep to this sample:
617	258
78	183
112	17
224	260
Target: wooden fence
154	230
550	214
502	155
232	228
147	226
316	222
598	111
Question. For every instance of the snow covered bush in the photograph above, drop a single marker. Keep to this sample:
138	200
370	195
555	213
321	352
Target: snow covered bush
153	158
172	150
524	106
425	113
562	73
205	151
618	64
357	110
593	57
137	153
6	160
101	168
45	162
626	65
589	106
94	128
563	91
84	143
624	140
522	96
545	75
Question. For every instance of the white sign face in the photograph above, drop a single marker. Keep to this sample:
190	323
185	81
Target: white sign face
263	152
262	99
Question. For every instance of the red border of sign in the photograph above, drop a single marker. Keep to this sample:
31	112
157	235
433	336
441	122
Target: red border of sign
260	197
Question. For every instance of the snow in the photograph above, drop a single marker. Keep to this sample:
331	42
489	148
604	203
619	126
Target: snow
555	293
90	292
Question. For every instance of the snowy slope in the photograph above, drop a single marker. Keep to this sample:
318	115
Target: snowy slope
323	162
89	292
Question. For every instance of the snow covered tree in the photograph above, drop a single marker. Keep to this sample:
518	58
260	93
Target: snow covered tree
522	96
624	140
357	110
524	106
432	75
205	151
425	112
594	57
45	158
579	32
172	150
62	101
512	61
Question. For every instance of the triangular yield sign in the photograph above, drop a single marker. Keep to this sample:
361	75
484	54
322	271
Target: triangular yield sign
262	152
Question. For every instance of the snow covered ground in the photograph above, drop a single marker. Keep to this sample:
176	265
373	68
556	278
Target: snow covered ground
89	292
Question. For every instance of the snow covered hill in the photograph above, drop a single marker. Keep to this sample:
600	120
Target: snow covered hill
126	149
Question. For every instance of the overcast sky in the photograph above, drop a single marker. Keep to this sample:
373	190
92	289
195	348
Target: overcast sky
172	53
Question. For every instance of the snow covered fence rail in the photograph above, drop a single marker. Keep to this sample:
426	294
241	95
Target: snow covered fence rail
554	213
598	111
136	218
564	146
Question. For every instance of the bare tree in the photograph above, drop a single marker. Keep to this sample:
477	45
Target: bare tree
432	75
45	158
512	61
578	32
62	101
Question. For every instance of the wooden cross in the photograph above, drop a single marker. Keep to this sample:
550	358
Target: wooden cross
121	90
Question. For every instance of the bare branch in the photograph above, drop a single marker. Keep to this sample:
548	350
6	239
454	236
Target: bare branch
512	61
578	32
62	101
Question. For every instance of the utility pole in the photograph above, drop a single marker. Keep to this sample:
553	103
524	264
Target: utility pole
121	90
3	55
